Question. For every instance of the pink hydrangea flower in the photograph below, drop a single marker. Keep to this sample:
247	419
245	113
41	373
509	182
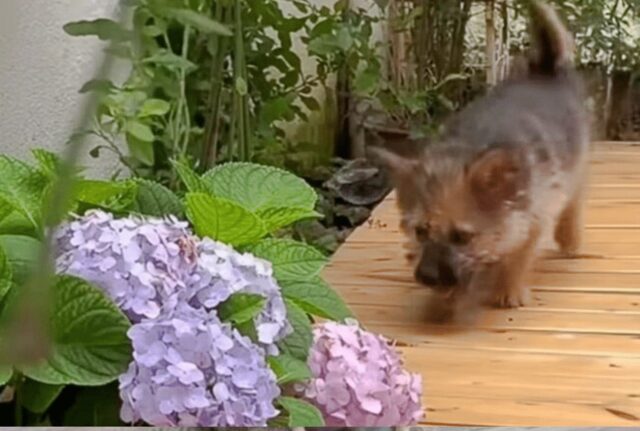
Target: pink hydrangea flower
359	379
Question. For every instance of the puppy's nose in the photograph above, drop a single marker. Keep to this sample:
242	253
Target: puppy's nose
436	275
446	274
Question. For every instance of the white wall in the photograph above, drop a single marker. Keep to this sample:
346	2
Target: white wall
41	70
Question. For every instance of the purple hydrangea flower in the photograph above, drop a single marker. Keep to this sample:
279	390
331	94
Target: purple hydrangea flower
359	380
190	369
150	266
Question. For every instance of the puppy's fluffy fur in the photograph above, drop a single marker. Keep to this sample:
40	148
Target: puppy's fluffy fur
506	169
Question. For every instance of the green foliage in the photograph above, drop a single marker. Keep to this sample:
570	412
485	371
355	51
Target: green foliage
22	188
298	343
5	374
315	297
154	199
289	369
37	397
21	253
6	275
292	260
95	406
223	220
301	413
90	345
241	308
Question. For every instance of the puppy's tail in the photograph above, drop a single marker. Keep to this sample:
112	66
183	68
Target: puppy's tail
552	43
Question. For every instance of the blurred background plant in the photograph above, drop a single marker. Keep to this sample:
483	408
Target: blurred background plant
297	84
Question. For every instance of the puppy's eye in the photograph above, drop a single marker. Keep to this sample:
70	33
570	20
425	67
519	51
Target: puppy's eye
422	232
460	236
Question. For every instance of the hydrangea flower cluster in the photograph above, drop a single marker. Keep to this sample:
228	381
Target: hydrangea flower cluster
150	266
189	368
359	380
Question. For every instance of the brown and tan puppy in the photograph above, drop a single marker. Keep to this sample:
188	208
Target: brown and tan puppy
507	169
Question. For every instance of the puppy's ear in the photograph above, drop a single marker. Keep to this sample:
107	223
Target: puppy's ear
400	167
496	177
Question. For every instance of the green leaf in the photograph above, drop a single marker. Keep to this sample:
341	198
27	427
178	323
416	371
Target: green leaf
6	275
277	218
95	407
292	260
22	255
298	343
139	131
104	29
190	179
258	187
311	103
241	86
141	150
103	86
223	220
38	397
90	344
112	195
154	199
241	308
316	297
199	21
152	107
5	375
301	413
22	186
289	369
48	162
171	61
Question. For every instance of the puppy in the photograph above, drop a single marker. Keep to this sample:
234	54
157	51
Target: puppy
507	169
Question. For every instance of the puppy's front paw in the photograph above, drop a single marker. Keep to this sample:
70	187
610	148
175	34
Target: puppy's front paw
512	298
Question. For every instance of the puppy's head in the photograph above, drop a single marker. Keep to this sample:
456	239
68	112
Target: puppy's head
461	212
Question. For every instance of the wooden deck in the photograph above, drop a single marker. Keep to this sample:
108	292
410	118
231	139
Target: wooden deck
570	358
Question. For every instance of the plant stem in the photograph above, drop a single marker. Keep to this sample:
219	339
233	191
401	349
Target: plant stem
213	122
241	101
184	107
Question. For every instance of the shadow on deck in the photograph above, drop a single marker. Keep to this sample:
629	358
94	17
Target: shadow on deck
571	357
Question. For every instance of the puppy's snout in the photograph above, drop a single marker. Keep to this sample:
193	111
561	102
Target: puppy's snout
436	273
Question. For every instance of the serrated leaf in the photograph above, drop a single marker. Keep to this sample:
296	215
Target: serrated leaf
48	162
298	343
5	375
154	199
223	220
199	21
90	344
21	186
22	255
6	274
112	195
97	85
316	297
37	397
139	131
301	413
141	150
241	308
190	179
152	107
291	260
289	369
277	218
104	29
258	188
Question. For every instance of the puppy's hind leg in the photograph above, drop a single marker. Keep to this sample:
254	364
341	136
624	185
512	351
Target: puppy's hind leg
568	231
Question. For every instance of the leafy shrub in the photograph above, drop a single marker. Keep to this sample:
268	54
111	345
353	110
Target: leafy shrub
244	205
